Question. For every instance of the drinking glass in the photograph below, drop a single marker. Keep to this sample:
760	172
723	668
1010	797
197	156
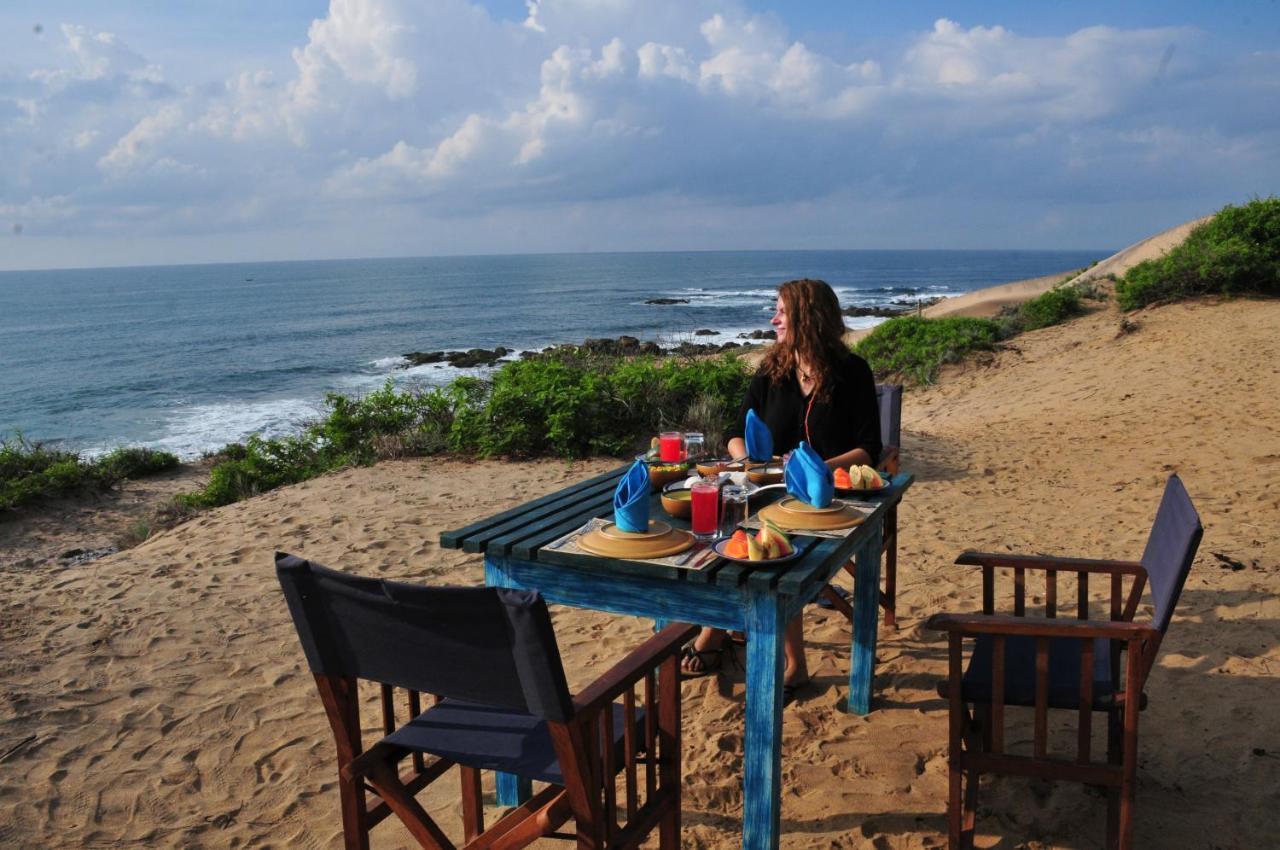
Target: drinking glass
705	495
670	446
733	508
695	446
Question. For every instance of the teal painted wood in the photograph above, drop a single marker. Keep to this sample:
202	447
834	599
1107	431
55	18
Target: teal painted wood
762	744
512	790
634	594
453	539
866	620
573	500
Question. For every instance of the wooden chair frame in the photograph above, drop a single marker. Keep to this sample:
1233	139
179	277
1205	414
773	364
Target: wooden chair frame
590	766
976	737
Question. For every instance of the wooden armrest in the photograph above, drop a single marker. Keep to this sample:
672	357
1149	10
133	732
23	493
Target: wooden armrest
889	459
1000	624
632	668
1050	562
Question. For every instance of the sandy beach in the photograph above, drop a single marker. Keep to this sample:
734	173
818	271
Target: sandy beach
158	697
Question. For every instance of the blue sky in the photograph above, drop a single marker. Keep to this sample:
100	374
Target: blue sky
154	132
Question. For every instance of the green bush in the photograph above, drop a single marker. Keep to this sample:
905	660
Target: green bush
914	347
1235	252
567	404
1050	308
30	471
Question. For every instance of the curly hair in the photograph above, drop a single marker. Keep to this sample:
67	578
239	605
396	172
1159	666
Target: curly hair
815	334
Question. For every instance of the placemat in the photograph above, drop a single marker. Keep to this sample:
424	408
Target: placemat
697	558
753	523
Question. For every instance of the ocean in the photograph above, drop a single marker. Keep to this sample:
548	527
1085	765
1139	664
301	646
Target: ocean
190	358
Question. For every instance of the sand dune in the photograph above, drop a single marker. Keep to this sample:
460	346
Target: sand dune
990	301
158	697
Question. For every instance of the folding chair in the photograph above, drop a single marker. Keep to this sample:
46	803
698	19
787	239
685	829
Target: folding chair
489	657
1071	665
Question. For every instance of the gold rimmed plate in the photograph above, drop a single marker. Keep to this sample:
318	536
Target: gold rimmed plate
657	528
801	521
636	547
791	504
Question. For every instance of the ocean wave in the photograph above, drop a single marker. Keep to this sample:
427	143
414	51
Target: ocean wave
193	431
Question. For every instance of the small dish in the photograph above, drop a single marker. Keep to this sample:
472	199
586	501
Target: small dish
718	465
796	551
677	500
870	491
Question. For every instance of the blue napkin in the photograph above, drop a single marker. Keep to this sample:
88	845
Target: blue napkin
759	440
631	499
808	477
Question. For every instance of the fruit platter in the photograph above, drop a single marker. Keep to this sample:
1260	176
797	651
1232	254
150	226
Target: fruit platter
770	545
861	480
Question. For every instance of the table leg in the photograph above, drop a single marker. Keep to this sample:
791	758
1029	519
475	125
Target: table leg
762	748
866	613
512	790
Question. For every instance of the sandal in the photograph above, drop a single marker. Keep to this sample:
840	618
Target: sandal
711	660
790	690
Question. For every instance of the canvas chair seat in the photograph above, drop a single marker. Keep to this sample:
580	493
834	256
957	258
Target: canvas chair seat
1020	669
490	738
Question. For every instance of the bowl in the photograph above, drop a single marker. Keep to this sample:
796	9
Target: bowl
662	474
677	501
765	473
714	467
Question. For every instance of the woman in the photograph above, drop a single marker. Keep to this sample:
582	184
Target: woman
809	387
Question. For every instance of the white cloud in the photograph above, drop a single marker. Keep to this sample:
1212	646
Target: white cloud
417	108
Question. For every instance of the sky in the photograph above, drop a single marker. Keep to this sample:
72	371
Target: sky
149	132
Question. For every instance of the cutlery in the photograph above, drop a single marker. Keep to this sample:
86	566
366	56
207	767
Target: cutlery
698	548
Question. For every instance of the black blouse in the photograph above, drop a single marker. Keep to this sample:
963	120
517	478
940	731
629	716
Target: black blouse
849	419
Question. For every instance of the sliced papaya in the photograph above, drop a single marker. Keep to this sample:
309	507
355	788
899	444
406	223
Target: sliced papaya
842	479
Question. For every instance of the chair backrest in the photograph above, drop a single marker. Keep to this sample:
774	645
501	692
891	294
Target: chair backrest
1171	548
488	645
889	397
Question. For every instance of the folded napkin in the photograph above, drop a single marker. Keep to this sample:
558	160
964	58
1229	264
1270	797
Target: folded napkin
808	477
759	440
631	499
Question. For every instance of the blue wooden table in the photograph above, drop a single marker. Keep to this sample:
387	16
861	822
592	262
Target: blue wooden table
756	600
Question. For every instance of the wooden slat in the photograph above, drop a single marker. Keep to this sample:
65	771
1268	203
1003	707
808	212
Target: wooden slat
1046	768
1117	588
415	708
583	503
1051	593
1019	592
957	759
650	734
1085	730
609	776
388	710
1082	596
453	539
1042	697
629	748
997	694
988	590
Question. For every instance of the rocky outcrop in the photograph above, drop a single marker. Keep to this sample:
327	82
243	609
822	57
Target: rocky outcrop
460	359
667	301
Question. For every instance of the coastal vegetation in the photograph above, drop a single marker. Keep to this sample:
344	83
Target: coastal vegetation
915	348
570	403
1236	252
30	471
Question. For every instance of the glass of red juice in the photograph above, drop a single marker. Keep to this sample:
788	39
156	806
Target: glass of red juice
705	495
670	446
